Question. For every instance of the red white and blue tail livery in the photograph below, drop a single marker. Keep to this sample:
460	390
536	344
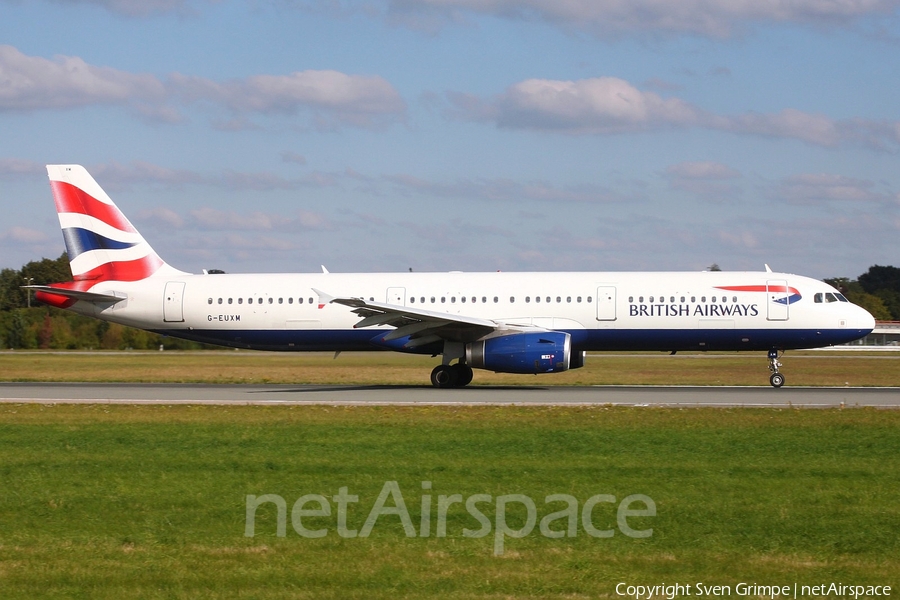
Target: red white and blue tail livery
503	322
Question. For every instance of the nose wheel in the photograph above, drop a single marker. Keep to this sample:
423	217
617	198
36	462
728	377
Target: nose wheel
776	378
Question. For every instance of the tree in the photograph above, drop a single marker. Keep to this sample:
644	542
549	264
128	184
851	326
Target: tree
884	282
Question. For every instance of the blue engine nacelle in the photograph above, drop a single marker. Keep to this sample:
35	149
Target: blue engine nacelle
539	352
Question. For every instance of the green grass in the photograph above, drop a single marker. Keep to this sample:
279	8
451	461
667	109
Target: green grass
149	502
374	368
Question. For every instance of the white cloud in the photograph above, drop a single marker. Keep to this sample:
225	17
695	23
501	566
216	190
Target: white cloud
711	18
11	168
507	190
351	99
711	181
702	170
136	8
162	216
33	83
816	188
598	105
332	98
608	105
24	235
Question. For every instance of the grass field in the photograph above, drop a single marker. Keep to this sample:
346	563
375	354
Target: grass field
800	368
150	502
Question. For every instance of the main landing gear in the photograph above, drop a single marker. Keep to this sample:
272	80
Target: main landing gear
451	376
776	379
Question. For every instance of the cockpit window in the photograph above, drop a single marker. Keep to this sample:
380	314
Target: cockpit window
829	297
841	298
817	298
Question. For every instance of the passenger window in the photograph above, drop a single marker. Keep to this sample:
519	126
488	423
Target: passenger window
432	299
568	298
578	299
527	299
229	301
453	300
630	299
220	301
496	299
651	299
422	299
209	301
483	300
589	299
512	299
443	299
412	300
693	298
734	299
682	298
291	300
558	299
271	300
281	301
240	300
537	299
299	300
702	298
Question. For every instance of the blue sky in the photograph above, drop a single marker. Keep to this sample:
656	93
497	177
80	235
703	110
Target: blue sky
382	135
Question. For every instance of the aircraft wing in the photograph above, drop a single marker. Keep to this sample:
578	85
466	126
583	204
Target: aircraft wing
422	326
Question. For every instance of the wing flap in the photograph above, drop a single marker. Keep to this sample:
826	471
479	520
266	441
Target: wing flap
420	325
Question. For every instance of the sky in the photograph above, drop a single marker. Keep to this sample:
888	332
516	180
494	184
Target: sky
462	135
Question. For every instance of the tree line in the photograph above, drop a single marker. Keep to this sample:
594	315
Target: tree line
26	323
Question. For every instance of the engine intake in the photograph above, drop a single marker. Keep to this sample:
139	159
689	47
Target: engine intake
539	352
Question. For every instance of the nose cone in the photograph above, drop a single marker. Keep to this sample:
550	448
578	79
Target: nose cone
863	319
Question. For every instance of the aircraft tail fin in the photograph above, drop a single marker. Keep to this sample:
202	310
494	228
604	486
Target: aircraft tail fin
101	242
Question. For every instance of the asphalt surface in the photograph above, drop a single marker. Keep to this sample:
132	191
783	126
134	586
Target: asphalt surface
786	397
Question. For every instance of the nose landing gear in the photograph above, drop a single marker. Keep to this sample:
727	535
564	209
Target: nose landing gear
776	379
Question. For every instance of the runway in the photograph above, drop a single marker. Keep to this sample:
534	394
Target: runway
644	396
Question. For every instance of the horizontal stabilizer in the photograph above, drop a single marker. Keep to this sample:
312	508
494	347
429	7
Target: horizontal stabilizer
76	294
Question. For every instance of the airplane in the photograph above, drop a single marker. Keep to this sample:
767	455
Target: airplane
507	322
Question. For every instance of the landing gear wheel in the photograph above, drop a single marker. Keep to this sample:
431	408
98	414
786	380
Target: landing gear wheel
444	376
463	374
776	379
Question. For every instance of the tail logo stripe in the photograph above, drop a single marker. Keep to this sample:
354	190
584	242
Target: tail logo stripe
78	241
70	199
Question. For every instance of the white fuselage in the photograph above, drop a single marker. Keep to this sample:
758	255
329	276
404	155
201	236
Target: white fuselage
601	311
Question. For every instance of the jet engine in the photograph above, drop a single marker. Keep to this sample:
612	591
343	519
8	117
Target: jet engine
526	352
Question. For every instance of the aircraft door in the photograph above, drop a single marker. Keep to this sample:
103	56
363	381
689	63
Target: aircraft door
173	302
606	303
777	300
397	296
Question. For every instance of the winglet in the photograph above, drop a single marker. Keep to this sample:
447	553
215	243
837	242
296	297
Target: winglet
323	298
768	269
